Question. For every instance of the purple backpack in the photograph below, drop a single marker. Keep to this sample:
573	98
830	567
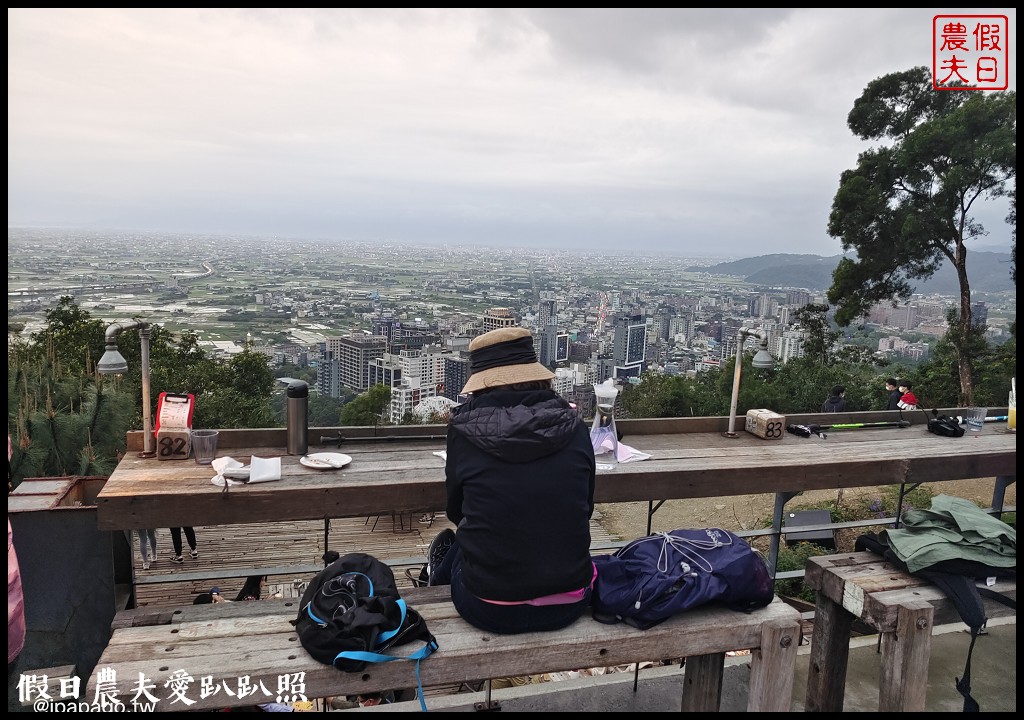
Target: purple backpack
654	577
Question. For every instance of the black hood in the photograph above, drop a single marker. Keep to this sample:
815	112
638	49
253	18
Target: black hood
516	426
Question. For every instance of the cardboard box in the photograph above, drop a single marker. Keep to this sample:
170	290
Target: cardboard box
766	424
174	426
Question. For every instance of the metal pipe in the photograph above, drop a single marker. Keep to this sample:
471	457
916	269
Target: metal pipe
781	498
741	336
148	441
113	362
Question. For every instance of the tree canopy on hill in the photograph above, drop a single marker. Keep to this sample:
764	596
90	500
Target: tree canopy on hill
907	206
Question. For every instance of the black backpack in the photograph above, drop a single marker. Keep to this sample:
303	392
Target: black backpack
352	612
956	578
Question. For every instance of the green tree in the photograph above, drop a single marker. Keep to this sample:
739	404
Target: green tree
907	206
62	423
65	419
936	379
368	407
820	338
660	395
70	337
325	411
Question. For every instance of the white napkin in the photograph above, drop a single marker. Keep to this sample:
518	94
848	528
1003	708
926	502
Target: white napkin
264	469
623	453
260	470
220	465
443	454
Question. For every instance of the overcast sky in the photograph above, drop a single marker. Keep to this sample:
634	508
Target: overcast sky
698	132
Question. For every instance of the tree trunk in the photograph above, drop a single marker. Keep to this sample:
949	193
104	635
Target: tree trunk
965	331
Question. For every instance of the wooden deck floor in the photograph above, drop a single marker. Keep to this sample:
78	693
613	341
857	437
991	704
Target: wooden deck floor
284	544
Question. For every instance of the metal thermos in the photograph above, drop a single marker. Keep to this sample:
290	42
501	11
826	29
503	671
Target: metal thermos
298	417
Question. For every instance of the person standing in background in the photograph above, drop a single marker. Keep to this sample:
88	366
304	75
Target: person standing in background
190	535
15	595
836	401
144	536
908	400
894	394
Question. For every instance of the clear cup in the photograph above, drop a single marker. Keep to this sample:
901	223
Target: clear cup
204	446
976	418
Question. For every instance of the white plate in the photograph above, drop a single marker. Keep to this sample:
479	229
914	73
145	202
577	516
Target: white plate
325	460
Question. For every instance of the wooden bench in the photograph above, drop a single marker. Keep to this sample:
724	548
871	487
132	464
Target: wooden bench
227	642
901	607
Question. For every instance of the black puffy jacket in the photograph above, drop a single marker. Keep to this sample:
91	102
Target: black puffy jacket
834	404
520	484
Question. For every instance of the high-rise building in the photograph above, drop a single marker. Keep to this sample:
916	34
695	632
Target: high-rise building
905	318
630	344
498	317
385	370
346	363
547	311
410	393
790	345
979	313
385	325
456	375
798	298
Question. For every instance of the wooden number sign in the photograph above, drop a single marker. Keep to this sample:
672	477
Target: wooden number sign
766	424
173	444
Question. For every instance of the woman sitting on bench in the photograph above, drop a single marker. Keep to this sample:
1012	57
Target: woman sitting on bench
519	476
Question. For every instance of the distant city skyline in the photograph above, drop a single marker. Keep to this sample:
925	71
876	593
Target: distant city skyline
703	133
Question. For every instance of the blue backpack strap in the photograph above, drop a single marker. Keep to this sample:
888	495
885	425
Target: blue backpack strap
373	657
385	636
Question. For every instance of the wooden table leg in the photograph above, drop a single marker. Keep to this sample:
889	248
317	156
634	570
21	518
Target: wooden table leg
702	683
903	680
830	654
772	667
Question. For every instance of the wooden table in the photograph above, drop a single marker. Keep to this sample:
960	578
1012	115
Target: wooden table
903	608
689	458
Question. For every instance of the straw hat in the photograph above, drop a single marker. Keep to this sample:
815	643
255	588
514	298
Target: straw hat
503	357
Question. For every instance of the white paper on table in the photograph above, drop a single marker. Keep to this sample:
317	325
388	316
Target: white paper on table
220	465
623	453
264	469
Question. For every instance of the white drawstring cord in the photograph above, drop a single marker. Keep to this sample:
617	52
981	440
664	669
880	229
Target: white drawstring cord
687	547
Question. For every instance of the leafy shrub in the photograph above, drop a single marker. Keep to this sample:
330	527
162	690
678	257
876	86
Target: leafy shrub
794	558
884	504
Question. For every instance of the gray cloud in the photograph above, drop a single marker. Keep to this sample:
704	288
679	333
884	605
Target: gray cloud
650	128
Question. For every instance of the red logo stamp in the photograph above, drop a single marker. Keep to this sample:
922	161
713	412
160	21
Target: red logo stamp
970	52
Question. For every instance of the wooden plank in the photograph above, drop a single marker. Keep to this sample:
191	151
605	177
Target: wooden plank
874	590
830	655
903	608
286	551
264	647
702	683
903	679
772	666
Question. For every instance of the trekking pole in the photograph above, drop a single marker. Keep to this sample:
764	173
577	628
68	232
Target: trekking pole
378	438
991	418
852	426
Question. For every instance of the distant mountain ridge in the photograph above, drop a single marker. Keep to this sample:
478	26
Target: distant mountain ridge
987	271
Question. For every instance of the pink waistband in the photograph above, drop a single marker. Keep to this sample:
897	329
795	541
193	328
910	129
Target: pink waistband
562	598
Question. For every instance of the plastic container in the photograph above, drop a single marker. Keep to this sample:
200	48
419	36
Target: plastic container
603	433
1011	407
